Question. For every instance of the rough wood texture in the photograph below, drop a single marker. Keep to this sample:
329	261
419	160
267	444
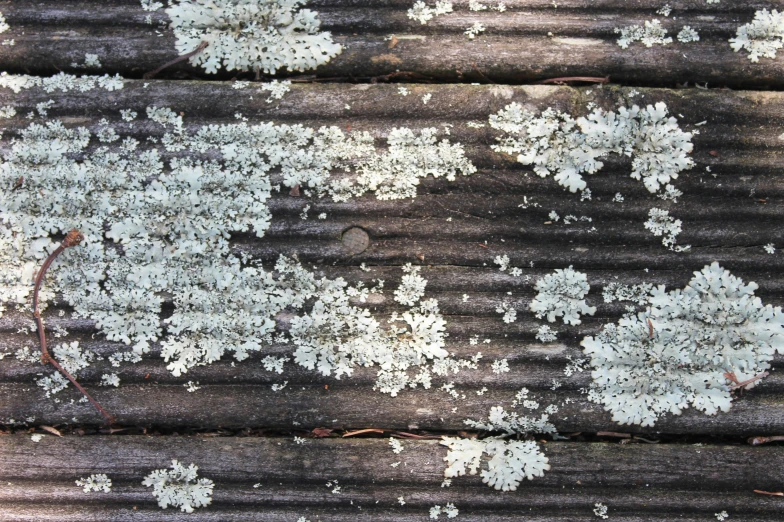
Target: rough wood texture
637	482
741	143
531	41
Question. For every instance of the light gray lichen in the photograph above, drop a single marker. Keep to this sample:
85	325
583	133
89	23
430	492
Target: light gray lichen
679	351
557	144
561	294
248	34
180	487
762	37
169	222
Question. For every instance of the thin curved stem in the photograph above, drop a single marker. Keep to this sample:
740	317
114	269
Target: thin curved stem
73	238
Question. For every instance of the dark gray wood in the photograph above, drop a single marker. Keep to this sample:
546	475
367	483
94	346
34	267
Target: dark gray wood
636	481
721	220
516	47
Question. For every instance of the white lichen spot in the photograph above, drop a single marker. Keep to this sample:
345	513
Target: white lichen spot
180	487
687	34
661	224
652	33
424	13
721	516
426	98
276	89
762	37
502	262
449	510
96	482
600	510
151	5
91	61
561	294
473	31
770	248
278	387
192	386
545	334
110	379
412	286
36	437
396	445
509	313
250	34
665	10
500	366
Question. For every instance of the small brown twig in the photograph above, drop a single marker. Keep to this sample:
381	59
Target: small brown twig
406	435
482	75
738	384
588	79
360	432
756	441
650	328
72	238
772	493
615	434
196	51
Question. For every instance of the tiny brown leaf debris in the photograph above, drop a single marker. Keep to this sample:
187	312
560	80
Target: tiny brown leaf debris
650	328
51	430
320	433
294	191
393	42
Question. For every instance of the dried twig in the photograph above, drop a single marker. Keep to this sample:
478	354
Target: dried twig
772	493
614	434
650	328
756	441
740	384
196	51
73	238
407	435
360	432
589	79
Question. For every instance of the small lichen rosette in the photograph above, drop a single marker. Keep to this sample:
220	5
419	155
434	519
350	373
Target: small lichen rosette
248	34
677	352
510	461
561	295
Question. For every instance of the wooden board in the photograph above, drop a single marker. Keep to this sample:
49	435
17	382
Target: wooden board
722	221
275	479
530	41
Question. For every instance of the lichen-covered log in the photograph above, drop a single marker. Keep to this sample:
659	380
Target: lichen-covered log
275	479
530	41
454	231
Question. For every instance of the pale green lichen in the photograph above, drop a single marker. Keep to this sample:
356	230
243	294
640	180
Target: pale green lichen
251	34
681	349
555	143
169	225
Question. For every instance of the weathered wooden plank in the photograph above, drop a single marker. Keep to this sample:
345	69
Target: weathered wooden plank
530	41
636	481
722	222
